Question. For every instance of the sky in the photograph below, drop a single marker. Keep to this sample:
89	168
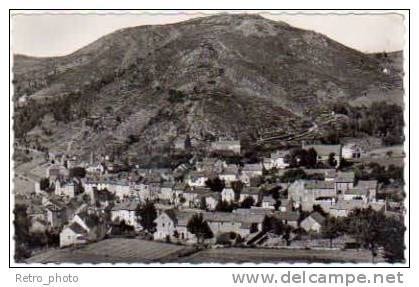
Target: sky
44	34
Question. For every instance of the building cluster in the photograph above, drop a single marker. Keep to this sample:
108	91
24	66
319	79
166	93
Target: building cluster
84	208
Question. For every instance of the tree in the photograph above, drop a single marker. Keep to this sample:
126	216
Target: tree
78	171
332	229
148	214
310	160
22	237
331	160
272	224
373	229
215	184
293	175
237	186
44	184
319	209
199	227
203	203
248	202
224	206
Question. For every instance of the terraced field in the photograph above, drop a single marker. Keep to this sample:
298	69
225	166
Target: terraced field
113	251
142	251
258	255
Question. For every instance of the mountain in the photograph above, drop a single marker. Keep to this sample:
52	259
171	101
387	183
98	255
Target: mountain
239	76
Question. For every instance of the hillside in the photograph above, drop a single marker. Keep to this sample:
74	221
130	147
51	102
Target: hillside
140	88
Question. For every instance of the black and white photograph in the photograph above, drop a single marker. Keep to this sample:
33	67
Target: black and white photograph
208	137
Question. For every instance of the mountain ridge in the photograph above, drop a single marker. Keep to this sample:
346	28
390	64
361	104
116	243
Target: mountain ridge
237	76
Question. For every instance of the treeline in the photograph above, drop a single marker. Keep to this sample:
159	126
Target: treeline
381	119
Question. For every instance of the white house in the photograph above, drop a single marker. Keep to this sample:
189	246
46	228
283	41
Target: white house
73	234
277	160
351	151
126	211
228	194
172	224
197	178
81	229
268	202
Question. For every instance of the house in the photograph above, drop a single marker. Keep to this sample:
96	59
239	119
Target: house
289	218
126	211
172	224
242	224
250	171
55	215
371	186
122	189
198	178
166	191
210	165
313	222
95	170
230	173
226	145
351	151
228	194
284	205
268	202
211	199
356	194
83	228
180	143
276	160
343	207
66	188
344	181
193	196
178	190
324	151
253	169
306	193
253	192
55	171
73	234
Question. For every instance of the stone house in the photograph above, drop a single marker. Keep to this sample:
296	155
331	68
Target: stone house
344	181
230	173
313	222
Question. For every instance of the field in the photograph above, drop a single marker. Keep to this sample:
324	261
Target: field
112	251
254	255
142	251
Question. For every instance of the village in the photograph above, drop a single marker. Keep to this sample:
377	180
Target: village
294	198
